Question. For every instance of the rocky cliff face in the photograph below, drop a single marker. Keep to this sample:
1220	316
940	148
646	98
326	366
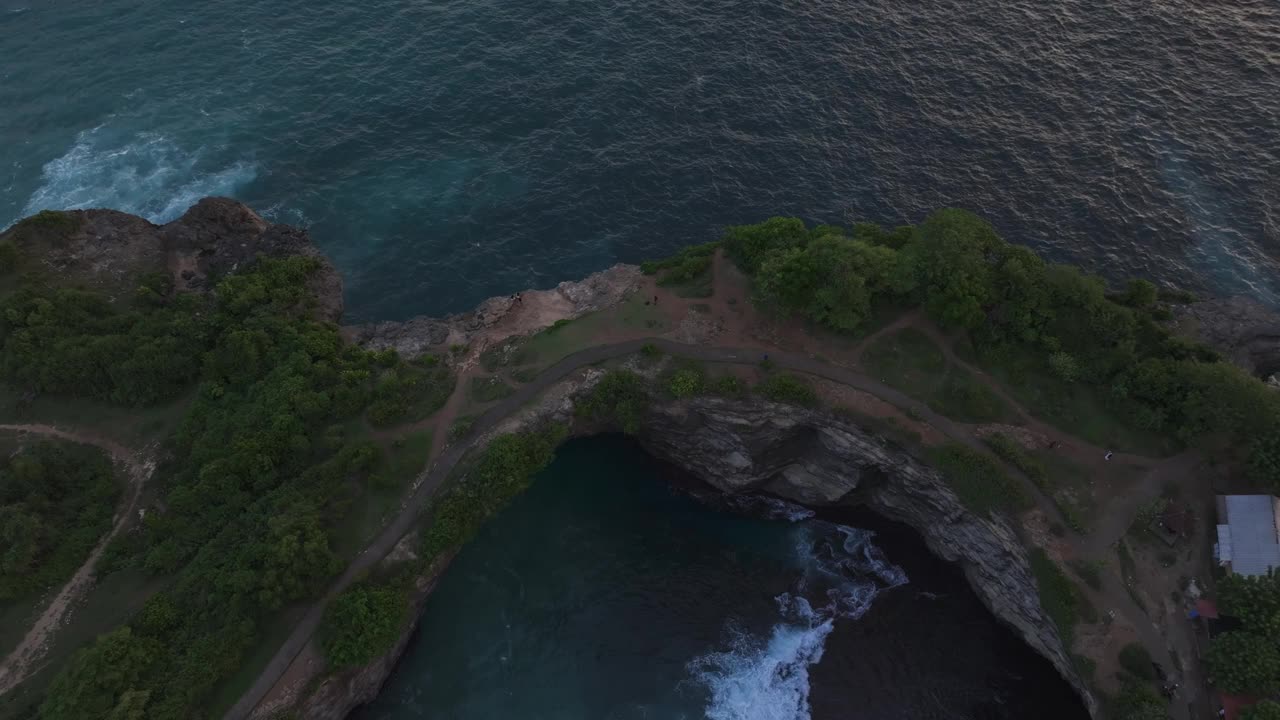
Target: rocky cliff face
816	459
109	250
1244	330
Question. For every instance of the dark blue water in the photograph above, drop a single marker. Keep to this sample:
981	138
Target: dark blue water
604	594
447	150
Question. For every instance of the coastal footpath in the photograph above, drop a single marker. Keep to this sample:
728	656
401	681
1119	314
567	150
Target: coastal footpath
697	357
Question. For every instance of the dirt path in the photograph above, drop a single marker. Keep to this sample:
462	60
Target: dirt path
17	665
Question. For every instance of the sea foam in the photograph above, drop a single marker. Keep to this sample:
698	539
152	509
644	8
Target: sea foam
768	678
146	174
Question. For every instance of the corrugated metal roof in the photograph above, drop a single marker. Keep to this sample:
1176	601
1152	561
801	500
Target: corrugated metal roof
1253	544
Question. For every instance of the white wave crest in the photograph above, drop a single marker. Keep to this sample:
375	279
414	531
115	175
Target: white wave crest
145	174
769	679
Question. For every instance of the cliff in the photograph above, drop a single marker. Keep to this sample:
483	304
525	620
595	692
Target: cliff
816	459
1244	330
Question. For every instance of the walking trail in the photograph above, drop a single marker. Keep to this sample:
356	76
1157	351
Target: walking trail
18	665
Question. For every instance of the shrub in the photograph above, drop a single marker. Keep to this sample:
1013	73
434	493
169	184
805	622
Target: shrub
362	623
620	398
686	382
503	469
786	388
730	386
650	351
1064	366
1135	659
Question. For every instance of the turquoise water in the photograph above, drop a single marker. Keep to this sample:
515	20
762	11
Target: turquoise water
604	592
443	151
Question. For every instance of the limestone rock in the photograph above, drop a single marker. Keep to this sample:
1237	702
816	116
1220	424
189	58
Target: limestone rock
1244	330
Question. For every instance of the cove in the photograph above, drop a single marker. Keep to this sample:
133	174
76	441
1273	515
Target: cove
618	587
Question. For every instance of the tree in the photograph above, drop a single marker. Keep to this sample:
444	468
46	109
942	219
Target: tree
1265	710
749	245
1140	294
1064	366
101	676
1243	662
1255	601
361	624
954	252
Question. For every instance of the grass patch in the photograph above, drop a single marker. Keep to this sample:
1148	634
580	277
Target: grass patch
912	362
488	389
1059	597
961	397
787	388
550	345
978	480
1074	408
905	359
1030	464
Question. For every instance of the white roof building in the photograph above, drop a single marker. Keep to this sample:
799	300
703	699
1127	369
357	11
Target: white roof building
1248	540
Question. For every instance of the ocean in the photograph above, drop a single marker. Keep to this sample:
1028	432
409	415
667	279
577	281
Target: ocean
444	151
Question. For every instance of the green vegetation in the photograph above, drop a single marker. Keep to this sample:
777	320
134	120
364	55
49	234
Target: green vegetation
363	623
730	386
1137	701
1135	659
978	480
264	469
912	362
489	389
1247	660
502	470
1090	572
905	359
619	399
56	501
687	381
1059	597
786	388
410	391
963	398
461	427
1264	710
1087	360
688	264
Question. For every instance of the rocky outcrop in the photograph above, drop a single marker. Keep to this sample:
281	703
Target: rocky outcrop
816	459
1243	330
500	317
110	250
